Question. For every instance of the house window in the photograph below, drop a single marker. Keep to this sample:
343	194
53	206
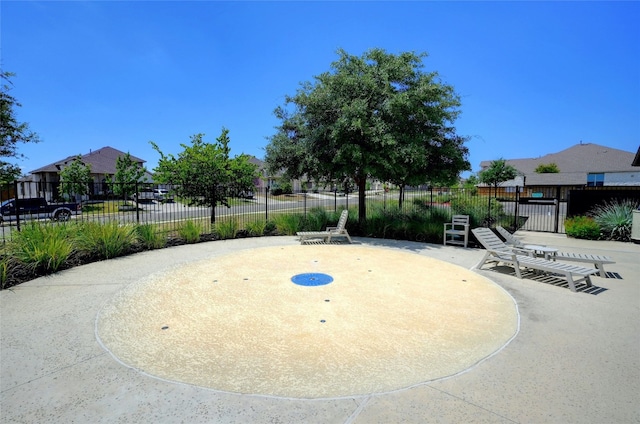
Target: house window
595	180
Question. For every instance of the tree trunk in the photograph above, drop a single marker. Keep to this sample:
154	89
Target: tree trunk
401	197
362	207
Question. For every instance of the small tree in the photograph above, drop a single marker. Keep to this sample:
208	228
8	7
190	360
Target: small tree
11	131
202	171
128	173
547	168
75	179
471	184
498	172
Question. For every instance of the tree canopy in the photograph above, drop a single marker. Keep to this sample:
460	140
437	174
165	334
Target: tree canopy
547	168
374	116
128	173
499	171
13	132
75	178
202	173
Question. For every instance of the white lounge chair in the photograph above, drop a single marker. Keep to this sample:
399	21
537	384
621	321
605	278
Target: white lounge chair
597	260
498	252
330	233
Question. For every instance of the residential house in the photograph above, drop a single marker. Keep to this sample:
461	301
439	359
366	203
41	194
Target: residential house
582	165
44	181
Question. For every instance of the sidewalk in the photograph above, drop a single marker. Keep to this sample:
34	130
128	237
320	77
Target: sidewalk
574	360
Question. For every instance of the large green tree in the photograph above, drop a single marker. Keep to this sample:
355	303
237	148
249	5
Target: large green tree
128	174
75	178
13	131
203	173
374	116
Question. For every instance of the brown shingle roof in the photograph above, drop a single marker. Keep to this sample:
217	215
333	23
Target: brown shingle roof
581	158
103	161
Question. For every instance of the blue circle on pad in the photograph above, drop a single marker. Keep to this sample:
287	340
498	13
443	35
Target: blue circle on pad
312	279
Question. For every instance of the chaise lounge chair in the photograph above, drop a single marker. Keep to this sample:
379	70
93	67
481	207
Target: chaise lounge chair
597	260
499	252
331	232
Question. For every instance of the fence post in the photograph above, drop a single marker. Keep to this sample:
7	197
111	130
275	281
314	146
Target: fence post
335	199
557	212
384	198
137	204
305	203
488	220
15	196
516	221
431	196
266	203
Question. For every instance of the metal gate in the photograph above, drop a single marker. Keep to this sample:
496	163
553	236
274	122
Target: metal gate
536	213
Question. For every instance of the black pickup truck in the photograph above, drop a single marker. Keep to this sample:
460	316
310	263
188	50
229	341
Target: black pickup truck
37	208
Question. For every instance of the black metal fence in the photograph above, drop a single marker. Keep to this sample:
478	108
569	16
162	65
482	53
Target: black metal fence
161	205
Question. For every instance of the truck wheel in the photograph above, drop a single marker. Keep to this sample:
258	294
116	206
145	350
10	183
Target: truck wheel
62	216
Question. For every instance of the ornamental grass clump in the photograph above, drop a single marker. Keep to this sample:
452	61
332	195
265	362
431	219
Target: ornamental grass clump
42	247
288	224
316	220
149	238
190	232
614	218
227	229
105	240
256	228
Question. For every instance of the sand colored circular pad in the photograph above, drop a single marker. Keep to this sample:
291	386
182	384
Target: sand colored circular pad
237	323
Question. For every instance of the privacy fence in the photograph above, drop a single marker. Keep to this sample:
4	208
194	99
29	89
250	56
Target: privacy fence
162	206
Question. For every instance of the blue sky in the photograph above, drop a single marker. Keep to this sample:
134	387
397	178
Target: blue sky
534	77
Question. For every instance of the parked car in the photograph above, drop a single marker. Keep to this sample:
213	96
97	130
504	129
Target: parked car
37	208
162	195
145	195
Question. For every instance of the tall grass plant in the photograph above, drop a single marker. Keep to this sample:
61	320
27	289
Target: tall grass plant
105	240
42	247
189	231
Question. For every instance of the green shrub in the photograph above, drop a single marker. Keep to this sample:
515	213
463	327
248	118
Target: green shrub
582	227
439	214
287	187
148	237
5	267
189	231
614	218
256	228
105	240
316	220
288	224
227	229
392	223
476	208
42	247
270	227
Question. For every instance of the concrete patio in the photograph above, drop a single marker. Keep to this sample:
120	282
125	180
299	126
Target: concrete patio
575	358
